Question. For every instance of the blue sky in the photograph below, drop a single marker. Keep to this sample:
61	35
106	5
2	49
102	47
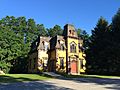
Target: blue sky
83	14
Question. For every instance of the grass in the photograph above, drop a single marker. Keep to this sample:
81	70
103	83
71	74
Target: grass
11	78
102	76
92	76
88	76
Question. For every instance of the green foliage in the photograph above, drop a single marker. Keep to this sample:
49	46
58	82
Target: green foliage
16	35
10	42
84	36
115	42
79	31
56	30
41	30
12	78
96	54
104	47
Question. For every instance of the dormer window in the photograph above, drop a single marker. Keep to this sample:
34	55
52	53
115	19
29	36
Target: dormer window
61	44
59	41
70	31
62	47
43	42
73	32
45	46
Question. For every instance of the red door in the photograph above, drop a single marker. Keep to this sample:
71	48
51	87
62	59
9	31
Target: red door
74	66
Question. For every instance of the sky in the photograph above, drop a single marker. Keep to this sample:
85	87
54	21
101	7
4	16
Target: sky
82	14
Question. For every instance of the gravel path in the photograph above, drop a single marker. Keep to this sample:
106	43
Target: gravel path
65	84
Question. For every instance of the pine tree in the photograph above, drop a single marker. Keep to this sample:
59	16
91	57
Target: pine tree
96	62
115	44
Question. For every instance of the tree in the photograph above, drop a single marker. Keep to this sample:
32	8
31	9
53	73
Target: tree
9	48
84	36
95	54
79	31
56	30
115	44
41	30
11	41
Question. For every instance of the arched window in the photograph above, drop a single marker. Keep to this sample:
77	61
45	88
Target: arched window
69	31
73	47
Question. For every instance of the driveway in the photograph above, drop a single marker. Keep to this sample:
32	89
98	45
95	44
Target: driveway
65	84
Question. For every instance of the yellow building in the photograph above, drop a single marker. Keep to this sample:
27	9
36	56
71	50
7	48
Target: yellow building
38	56
60	54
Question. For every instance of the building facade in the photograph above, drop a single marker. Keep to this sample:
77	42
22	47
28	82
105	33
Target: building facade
58	54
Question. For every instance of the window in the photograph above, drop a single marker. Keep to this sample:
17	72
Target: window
62	47
73	32
70	31
46	47
43	44
79	46
81	64
59	41
40	63
61	44
45	61
73	47
61	63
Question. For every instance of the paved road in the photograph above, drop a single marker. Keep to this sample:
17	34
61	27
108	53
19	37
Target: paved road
65	84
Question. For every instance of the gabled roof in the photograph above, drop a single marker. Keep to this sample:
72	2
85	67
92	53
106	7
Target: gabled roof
42	40
38	43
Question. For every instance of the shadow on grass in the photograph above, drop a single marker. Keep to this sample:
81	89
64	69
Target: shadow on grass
10	83
5	83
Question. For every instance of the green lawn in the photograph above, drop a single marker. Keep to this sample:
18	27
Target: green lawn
90	76
102	76
10	78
